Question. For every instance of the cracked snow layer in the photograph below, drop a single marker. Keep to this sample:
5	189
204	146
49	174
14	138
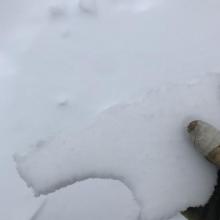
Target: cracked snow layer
143	144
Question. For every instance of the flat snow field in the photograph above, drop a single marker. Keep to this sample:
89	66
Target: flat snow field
95	99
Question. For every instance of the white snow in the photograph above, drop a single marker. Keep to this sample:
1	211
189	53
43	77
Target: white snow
114	6
91	200
142	144
178	217
62	63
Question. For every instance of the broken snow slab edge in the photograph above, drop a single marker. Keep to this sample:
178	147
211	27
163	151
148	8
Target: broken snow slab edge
124	144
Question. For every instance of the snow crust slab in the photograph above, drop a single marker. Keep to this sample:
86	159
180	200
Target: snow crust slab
142	144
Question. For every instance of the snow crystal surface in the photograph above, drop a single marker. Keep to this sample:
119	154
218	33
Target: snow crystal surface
142	144
90	200
63	62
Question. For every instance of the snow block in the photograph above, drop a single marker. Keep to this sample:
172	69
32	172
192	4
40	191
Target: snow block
144	145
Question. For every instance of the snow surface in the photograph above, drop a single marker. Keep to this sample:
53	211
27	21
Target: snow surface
178	217
127	143
111	200
102	200
64	62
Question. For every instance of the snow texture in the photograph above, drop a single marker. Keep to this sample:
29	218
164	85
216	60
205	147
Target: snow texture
178	217
63	62
142	144
102	199
114	6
